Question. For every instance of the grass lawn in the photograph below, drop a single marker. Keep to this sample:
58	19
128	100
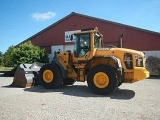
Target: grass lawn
5	69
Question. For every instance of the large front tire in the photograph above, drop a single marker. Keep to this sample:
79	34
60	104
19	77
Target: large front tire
102	79
50	76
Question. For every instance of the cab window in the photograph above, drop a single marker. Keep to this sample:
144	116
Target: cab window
97	41
81	44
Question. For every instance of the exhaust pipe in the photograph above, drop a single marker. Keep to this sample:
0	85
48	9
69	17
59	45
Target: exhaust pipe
120	41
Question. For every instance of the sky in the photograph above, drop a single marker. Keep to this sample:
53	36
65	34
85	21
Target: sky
21	19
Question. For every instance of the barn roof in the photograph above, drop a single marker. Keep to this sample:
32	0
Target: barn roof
89	17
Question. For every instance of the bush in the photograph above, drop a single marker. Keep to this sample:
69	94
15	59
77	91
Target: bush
153	63
24	53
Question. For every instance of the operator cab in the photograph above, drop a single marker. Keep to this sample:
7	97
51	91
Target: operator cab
83	42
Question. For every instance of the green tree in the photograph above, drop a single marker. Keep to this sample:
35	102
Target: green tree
1	54
1	57
8	57
24	53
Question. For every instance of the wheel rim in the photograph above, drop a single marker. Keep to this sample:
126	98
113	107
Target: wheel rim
101	80
48	76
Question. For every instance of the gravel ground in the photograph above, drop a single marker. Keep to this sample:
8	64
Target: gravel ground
138	101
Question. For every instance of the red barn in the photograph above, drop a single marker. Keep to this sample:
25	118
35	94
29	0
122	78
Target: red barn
133	37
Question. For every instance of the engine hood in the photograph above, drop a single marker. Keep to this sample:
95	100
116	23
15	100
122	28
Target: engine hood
117	52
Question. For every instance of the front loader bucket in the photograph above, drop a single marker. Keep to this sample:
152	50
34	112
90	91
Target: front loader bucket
26	75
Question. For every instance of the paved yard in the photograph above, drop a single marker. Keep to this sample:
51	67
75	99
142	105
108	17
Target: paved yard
138	101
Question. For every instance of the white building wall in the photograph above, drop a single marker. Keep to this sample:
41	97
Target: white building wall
68	47
50	57
152	53
62	48
53	49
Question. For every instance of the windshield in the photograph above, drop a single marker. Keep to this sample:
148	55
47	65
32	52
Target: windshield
81	44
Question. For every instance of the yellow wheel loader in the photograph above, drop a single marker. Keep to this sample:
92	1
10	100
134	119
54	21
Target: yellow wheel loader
104	68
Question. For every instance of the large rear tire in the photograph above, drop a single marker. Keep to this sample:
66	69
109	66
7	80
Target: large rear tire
102	79
50	76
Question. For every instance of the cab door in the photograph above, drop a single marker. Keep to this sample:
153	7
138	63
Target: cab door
81	46
81	54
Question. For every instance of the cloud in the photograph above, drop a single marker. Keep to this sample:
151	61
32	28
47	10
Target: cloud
43	16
